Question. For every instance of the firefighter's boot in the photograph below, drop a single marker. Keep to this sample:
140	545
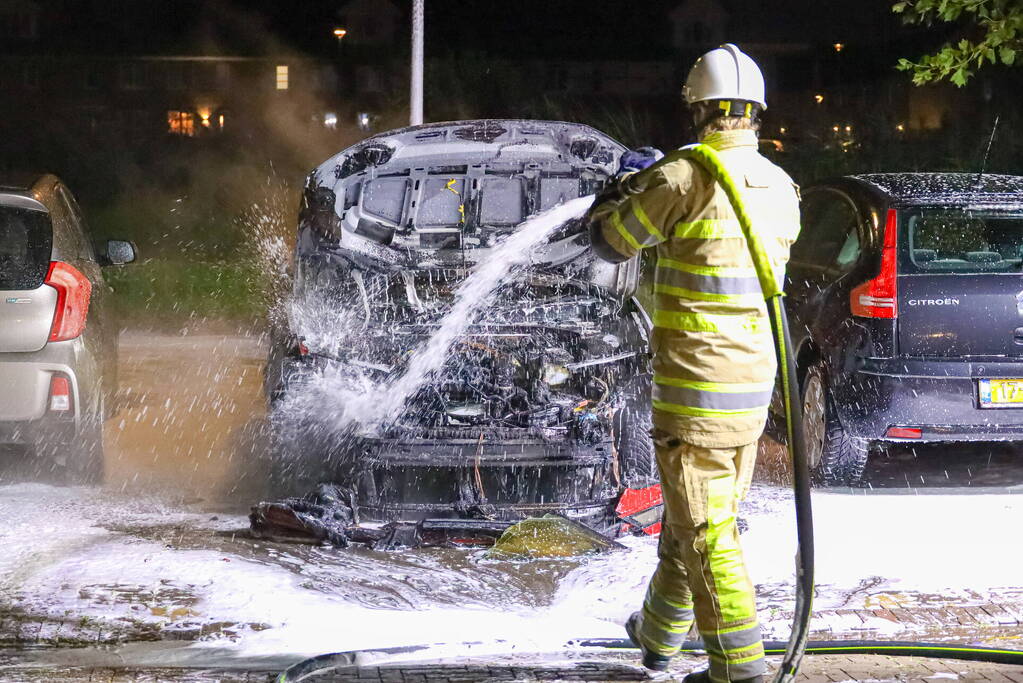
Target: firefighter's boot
651	660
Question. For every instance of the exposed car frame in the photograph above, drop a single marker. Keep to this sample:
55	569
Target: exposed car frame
531	447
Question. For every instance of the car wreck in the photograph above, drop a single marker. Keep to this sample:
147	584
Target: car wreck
541	405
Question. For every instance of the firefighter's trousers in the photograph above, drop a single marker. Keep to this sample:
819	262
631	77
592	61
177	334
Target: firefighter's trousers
701	573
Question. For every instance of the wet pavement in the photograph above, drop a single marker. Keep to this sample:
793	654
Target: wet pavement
589	667
156	571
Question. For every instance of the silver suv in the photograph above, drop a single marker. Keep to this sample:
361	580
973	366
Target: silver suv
58	337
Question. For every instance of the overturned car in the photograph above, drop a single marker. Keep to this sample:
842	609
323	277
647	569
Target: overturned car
540	404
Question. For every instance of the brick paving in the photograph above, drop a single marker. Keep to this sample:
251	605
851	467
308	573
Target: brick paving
815	669
994	624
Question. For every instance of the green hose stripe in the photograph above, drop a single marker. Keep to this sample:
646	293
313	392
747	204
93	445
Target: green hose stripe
783	353
910	647
708	158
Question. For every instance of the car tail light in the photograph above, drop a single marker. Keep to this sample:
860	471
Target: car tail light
877	298
904	432
73	293
60	394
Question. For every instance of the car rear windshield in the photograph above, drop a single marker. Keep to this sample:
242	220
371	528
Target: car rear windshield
962	240
25	240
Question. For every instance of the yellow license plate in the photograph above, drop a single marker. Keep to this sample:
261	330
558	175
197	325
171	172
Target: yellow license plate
1001	392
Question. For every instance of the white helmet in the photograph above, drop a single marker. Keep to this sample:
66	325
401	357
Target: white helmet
725	73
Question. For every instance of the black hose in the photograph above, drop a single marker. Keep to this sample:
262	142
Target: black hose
893	648
801	489
341	660
338	660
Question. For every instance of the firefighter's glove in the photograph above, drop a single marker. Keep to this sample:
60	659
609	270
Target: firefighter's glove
631	162
637	159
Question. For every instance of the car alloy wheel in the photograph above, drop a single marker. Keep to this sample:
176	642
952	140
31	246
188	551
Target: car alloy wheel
835	457
814	426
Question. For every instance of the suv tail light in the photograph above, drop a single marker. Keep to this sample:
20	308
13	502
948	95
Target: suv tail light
904	432
73	293
877	298
60	394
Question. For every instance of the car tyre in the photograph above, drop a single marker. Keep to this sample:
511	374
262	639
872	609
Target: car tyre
633	442
835	457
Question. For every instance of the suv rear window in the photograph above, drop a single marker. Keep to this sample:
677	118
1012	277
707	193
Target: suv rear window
961	240
25	242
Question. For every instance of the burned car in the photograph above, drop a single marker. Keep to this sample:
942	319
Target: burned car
540	403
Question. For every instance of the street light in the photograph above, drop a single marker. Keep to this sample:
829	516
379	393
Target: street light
818	98
416	70
340	33
838	47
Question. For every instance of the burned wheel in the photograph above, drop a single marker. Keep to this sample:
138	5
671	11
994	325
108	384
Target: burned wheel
835	458
635	446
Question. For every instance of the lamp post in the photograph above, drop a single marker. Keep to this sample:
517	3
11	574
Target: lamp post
416	81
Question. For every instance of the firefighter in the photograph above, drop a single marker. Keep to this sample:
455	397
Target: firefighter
713	358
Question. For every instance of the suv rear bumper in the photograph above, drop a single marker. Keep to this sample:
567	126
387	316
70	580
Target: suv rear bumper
940	398
55	430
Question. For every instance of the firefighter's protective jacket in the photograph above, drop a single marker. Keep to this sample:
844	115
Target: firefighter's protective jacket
714	361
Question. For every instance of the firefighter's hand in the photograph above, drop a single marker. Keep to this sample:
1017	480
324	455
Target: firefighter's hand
637	159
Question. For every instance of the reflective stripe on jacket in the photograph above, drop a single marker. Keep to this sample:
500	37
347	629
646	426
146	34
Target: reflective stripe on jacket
714	362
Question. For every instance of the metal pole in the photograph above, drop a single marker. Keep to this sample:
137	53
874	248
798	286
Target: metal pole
416	86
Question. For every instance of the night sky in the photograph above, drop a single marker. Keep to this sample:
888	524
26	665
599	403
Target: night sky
524	28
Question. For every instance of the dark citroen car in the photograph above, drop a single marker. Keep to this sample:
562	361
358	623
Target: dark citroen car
58	336
905	295
543	403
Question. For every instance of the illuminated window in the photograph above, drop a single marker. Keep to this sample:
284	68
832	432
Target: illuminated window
282	77
181	123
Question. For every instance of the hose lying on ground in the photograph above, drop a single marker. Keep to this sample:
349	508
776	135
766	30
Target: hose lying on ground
304	670
892	648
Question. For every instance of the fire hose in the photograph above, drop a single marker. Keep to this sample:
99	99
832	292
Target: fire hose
771	285
798	644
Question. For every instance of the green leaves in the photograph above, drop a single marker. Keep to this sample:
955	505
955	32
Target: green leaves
996	24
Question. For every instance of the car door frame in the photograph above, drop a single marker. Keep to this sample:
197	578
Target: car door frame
818	319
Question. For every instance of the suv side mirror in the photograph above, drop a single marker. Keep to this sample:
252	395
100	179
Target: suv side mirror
118	253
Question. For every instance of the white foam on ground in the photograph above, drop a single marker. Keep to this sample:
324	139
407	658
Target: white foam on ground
58	560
